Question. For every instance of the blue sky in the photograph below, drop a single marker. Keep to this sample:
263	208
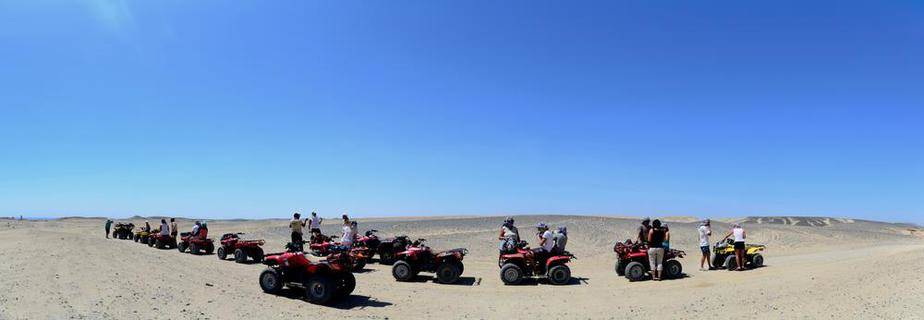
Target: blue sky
253	109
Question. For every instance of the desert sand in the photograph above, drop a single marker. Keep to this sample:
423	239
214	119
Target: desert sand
815	268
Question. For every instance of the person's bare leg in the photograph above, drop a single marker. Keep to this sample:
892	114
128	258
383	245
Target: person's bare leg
739	257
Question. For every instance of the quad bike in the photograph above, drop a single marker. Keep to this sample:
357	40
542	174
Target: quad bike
161	242
632	261
324	282
388	249
723	255
522	262
447	265
196	244
141	236
370	241
123	231
358	255
232	242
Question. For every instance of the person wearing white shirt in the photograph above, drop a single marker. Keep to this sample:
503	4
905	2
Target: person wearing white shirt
705	230
545	242
346	239
738	232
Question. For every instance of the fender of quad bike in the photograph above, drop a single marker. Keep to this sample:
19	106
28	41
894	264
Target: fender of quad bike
557	260
755	249
457	253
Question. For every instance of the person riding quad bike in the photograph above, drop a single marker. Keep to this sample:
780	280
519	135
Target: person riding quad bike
523	262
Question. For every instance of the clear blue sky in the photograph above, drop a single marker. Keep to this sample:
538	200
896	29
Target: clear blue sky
258	108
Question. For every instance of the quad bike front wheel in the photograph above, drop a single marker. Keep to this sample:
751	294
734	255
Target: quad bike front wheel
270	281
319	290
257	255
448	272
757	260
159	244
386	258
222	254
559	275
346	283
209	248
635	271
673	269
150	242
239	255
402	271
511	274
730	263
181	247
620	268
359	265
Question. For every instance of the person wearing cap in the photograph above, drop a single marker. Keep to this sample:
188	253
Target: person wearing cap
560	238
643	230
509	236
739	235
545	242
705	230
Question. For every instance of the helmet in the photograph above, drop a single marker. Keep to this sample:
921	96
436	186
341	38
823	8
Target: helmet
508	220
706	222
647	219
563	229
542	225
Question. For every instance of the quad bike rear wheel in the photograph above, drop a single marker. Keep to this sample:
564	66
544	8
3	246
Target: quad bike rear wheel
511	274
448	272
635	271
159	243
319	290
271	281
402	271
673	269
718	261
346	283
239	255
559	275
730	263
150	242
209	248
757	260
194	248
222	254
181	247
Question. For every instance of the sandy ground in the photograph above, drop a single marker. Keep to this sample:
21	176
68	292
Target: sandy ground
837	269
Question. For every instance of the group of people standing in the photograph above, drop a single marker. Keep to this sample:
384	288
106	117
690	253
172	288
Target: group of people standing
548	242
657	237
313	223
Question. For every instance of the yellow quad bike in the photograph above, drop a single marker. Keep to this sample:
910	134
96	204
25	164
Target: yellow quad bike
141	236
723	255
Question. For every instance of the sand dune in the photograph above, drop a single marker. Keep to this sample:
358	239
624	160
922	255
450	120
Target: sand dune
816	268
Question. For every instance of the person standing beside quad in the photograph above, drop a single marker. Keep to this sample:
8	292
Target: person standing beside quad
108	225
173	228
297	226
705	230
643	230
314	226
656	238
738	232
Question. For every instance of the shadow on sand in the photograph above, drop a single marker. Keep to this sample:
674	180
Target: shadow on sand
348	303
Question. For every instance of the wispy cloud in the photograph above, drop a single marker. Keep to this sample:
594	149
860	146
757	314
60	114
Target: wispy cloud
114	15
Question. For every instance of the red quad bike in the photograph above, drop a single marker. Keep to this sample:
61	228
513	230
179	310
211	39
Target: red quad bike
358	255
633	261
240	248
523	263
388	249
369	241
161	242
324	282
196	244
447	265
